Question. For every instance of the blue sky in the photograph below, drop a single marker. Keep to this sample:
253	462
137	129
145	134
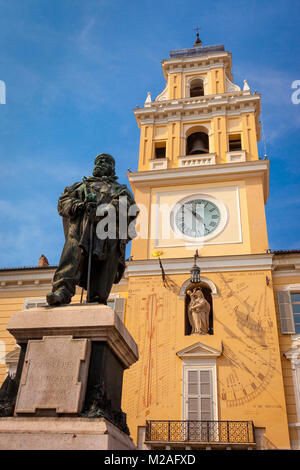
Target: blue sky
74	70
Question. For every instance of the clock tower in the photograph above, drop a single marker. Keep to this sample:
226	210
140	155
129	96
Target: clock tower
201	185
200	181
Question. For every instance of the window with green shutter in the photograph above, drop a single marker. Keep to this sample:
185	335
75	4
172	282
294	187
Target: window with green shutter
285	312
295	301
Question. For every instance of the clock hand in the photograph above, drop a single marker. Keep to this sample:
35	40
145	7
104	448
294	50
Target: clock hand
198	216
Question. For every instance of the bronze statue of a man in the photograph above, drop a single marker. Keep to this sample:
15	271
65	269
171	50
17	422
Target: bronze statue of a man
93	258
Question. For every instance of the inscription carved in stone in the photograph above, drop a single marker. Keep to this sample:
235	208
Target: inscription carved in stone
54	375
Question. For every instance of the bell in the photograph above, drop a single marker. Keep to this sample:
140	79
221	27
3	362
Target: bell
198	143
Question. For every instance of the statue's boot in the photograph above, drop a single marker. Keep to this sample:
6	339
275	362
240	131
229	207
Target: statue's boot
97	299
57	298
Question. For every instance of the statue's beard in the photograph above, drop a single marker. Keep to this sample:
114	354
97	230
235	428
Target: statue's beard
98	173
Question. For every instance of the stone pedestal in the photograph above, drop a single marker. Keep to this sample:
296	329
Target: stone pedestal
62	434
70	376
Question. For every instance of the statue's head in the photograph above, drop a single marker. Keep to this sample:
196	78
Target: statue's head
199	293
104	165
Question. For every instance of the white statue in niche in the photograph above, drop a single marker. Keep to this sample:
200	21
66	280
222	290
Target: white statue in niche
198	312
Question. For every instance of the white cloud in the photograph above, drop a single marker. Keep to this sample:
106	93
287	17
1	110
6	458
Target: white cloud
280	116
58	169
28	229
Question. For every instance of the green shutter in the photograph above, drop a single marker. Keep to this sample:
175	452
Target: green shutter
285	312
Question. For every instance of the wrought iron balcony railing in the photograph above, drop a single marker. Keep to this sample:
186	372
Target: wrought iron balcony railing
234	432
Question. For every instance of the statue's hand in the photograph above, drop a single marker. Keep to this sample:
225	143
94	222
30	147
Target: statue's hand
77	208
91	206
90	209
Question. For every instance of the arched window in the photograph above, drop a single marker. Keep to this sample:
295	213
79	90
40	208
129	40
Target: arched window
191	296
196	88
197	143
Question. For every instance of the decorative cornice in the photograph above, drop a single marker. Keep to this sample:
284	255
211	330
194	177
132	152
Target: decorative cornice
286	273
150	267
240	169
240	100
286	260
194	115
200	68
294	352
33	279
215	59
198	350
26	279
286	264
207	173
283	265
28	268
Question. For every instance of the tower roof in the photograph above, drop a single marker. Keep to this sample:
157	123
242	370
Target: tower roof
196	50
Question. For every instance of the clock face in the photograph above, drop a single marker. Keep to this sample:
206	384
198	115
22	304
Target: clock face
197	218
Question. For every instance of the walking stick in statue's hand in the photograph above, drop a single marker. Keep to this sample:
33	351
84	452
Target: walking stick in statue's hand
88	295
91	208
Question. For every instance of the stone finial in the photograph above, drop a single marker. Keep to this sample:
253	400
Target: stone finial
43	261
148	99
246	86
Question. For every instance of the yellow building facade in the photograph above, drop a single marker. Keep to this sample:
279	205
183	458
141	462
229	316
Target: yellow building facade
200	185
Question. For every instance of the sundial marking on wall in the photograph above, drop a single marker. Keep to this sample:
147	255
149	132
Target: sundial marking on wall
251	346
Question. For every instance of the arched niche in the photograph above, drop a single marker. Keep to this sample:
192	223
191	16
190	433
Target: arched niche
197	143
196	87
198	139
192	82
193	129
189	129
204	280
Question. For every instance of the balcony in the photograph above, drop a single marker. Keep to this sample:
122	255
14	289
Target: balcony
198	434
197	160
